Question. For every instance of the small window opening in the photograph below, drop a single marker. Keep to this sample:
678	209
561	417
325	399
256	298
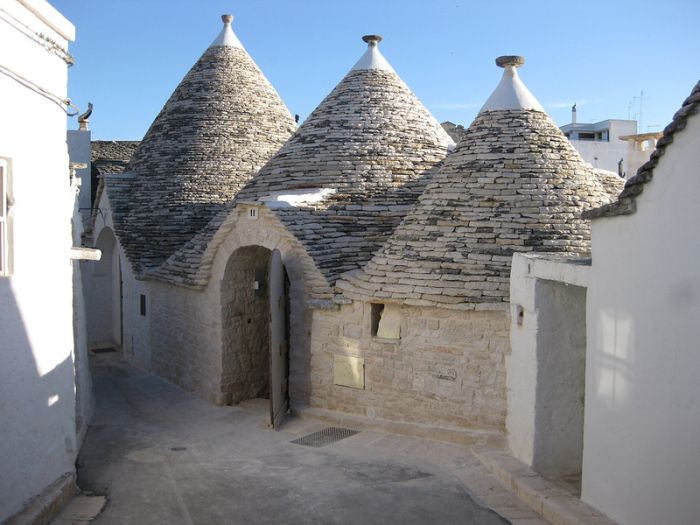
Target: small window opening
252	213
143	305
376	313
386	321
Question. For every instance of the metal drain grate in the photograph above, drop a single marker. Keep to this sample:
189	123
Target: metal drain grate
325	437
104	350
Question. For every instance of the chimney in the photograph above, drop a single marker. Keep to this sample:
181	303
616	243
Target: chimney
573	113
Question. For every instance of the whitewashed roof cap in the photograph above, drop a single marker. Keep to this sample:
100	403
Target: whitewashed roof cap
511	93
372	59
227	37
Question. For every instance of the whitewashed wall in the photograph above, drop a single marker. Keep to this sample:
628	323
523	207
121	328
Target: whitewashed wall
546	365
113	295
37	380
641	461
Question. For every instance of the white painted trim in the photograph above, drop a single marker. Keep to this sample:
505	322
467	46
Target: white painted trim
51	17
227	38
511	93
4	241
80	253
373	59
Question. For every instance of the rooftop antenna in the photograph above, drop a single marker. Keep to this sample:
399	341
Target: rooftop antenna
641	109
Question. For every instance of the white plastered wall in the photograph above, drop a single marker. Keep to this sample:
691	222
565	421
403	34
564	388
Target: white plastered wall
545	369
113	295
641	460
37	377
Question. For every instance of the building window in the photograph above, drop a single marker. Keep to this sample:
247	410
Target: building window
143	305
5	232
386	321
376	314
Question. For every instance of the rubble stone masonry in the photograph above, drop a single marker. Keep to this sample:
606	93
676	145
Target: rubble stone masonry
446	370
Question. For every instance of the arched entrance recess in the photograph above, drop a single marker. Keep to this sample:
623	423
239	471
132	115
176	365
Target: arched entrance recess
255	329
105	295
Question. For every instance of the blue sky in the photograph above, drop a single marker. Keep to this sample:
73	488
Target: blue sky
131	54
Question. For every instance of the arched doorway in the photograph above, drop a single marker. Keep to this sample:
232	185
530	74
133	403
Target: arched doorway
255	329
104	295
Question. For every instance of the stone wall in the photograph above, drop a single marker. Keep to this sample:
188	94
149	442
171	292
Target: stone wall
265	230
185	339
447	369
181	336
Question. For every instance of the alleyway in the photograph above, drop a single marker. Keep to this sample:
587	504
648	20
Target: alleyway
164	456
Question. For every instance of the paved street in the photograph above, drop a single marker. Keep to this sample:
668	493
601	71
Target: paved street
164	456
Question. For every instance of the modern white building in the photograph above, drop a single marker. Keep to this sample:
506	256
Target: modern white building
44	390
639	147
600	144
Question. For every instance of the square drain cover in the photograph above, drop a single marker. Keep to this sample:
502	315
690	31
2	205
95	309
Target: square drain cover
325	437
104	350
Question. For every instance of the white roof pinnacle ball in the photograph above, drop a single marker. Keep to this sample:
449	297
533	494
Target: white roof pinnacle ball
372	59
511	93
227	38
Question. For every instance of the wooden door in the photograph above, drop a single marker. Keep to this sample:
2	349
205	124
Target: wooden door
279	351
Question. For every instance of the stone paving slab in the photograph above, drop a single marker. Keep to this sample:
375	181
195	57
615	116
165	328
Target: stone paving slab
82	509
556	505
161	455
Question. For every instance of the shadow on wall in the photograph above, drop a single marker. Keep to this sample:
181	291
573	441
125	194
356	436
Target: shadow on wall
37	409
614	360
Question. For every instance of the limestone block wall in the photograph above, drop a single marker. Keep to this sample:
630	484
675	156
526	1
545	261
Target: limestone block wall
135	330
185	338
184	325
447	368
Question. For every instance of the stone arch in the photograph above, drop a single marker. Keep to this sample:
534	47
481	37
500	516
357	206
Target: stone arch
303	277
104	298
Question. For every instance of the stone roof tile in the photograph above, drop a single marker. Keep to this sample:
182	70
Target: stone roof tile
221	124
373	144
514	184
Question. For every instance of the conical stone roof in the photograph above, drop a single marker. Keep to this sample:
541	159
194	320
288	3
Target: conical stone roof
221	124
514	184
354	168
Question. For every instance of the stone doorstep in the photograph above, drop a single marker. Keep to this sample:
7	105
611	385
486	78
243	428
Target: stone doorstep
41	509
550	501
81	510
460	436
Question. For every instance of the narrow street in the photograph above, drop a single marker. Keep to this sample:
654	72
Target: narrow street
164	456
